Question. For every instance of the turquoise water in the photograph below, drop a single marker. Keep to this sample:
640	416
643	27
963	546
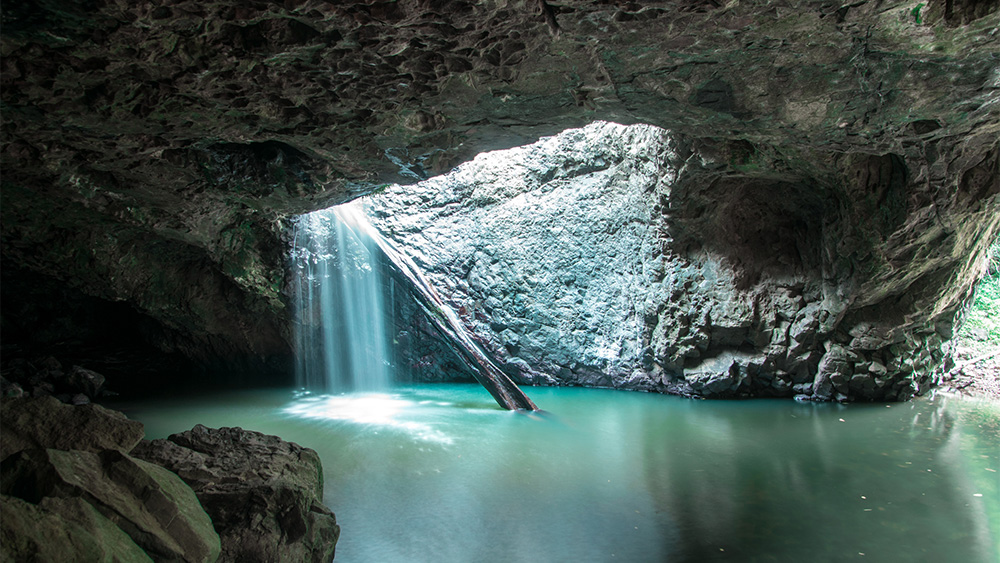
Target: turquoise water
439	473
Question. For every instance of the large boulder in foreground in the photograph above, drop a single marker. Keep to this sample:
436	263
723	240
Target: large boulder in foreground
151	505
62	529
45	422
264	494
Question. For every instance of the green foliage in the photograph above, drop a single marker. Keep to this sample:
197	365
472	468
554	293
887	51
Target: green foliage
916	13
982	322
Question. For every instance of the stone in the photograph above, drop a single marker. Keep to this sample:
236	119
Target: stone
719	376
62	529
264	494
877	368
803	388
585	219
50	363
857	381
805	324
43	389
85	381
833	372
45	422
158	511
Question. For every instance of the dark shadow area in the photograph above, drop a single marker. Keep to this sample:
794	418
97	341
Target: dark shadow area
758	225
49	327
959	12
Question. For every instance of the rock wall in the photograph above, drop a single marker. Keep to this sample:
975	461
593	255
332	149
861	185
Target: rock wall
632	257
152	150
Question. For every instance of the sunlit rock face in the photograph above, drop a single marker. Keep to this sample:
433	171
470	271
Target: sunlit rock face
550	251
632	257
153	150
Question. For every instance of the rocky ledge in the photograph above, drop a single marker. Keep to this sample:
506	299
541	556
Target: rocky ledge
74	486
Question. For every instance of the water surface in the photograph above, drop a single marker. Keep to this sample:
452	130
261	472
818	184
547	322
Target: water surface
439	473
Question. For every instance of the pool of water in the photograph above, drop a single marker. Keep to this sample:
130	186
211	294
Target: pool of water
440	473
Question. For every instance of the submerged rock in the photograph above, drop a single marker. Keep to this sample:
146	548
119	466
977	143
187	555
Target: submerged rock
264	494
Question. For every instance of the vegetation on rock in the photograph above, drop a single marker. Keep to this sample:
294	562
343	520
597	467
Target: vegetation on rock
977	344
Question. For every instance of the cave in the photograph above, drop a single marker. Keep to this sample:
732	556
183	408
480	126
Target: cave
602	212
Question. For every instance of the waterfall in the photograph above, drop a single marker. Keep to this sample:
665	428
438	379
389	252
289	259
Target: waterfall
341	335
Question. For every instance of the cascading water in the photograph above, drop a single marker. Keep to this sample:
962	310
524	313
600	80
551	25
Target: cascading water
341	334
342	343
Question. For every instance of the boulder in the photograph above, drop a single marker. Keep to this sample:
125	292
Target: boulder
62	529
86	381
45	376
719	376
833	373
264	494
148	503
45	422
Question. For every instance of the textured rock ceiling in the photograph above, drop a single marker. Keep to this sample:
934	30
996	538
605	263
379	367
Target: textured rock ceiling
151	149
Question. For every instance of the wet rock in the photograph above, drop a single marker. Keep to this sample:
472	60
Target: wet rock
46	422
62	529
264	494
157	510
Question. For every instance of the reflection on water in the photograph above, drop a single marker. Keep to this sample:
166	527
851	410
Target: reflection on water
440	473
375	410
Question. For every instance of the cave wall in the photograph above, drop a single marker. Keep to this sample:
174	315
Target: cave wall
152	151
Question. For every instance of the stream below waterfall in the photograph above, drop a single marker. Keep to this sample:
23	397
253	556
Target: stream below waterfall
440	473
